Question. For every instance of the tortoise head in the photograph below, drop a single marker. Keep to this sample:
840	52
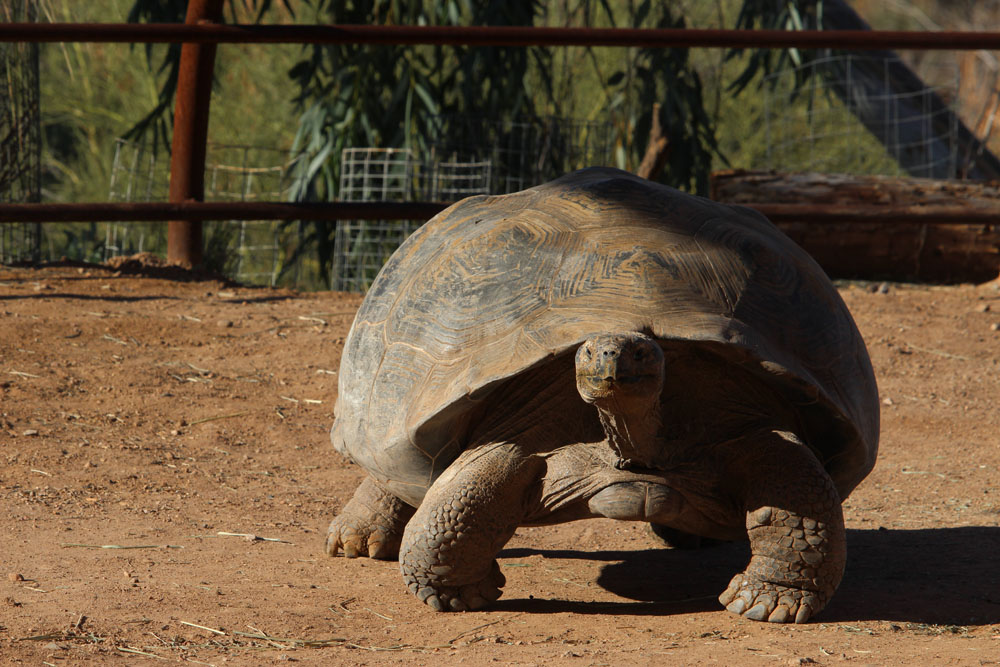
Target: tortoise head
619	368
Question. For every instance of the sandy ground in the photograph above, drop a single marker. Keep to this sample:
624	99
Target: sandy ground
166	483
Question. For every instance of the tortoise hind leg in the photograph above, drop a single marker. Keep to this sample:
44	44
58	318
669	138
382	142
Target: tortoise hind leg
371	524
448	555
796	529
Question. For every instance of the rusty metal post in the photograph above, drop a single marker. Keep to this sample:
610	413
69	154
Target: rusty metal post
187	162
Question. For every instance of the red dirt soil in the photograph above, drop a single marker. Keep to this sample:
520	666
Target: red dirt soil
167	480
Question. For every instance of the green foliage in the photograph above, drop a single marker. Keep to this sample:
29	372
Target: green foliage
355	95
389	95
316	100
776	15
666	77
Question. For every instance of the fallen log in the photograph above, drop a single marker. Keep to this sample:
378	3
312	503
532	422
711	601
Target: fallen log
925	251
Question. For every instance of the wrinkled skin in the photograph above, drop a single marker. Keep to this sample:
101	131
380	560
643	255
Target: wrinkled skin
760	483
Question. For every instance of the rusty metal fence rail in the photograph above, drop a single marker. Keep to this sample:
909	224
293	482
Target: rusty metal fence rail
500	36
201	33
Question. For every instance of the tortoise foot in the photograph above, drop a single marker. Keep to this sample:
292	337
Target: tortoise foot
371	524
469	597
766	601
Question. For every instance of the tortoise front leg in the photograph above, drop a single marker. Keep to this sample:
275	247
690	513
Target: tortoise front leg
448	554
371	524
796	529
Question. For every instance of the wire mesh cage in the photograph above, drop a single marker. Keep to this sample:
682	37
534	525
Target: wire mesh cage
522	152
378	174
252	252
451	181
20	140
858	114
361	247
468	155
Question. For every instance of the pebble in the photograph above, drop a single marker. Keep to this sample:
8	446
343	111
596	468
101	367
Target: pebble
887	401
995	326
14	576
983	308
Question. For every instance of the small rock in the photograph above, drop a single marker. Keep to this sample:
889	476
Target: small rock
983	308
14	576
887	401
802	661
995	326
883	288
226	324
30	432
52	646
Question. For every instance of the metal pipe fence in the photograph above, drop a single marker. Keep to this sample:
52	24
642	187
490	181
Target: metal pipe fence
422	210
203	33
151	33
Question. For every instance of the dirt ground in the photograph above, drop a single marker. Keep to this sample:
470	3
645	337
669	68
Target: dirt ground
166	481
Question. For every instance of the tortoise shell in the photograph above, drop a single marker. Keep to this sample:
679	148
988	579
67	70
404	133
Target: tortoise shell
495	286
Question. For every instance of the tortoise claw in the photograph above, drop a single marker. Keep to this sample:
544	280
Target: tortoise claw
766	601
371	524
469	597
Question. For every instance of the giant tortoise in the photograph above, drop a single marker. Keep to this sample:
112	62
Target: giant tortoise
604	346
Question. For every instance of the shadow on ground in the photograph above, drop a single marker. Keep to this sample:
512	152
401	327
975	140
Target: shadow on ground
943	576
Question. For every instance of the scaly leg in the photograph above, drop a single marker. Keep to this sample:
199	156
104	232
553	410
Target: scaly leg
796	529
448	555
371	524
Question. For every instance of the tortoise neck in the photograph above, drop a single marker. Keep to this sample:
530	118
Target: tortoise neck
632	431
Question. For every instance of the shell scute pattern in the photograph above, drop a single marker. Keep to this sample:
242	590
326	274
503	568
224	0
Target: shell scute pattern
494	286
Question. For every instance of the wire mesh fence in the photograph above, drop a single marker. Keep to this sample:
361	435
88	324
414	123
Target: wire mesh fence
361	247
252	252
522	152
854	114
468	155
20	140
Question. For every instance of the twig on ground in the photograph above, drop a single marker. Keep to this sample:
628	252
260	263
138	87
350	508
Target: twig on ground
378	614
313	319
129	649
41	472
312	643
23	374
940	353
266	637
252	537
471	630
217	417
202	627
120	546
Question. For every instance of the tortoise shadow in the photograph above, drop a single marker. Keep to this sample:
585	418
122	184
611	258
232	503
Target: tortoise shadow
943	576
